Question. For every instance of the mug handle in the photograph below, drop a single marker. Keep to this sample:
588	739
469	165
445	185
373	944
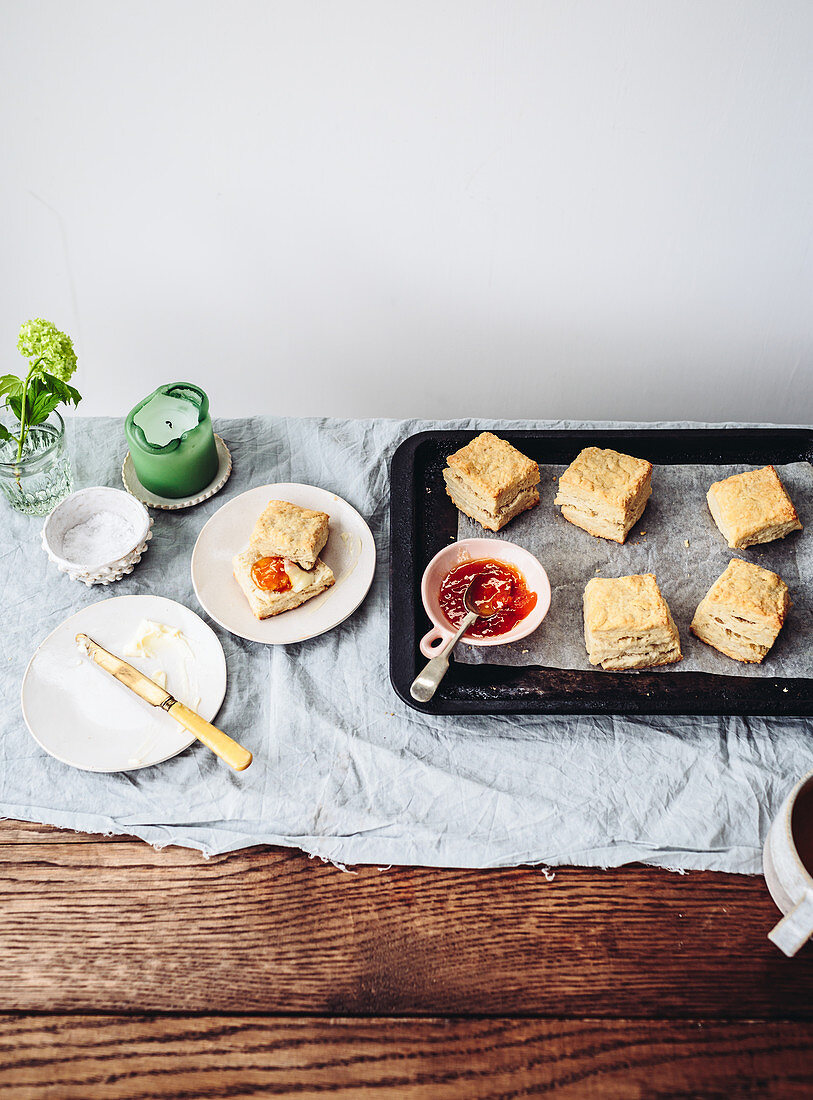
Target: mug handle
796	927
432	643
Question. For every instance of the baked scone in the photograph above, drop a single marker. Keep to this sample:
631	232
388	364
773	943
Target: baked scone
605	492
288	531
752	507
628	624
743	611
491	481
304	585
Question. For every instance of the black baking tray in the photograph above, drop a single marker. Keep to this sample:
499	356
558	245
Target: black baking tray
423	520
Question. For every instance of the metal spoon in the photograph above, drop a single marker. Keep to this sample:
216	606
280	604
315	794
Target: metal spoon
427	682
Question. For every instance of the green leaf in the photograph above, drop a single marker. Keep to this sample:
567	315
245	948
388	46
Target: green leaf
5	435
45	391
35	388
65	392
41	407
11	385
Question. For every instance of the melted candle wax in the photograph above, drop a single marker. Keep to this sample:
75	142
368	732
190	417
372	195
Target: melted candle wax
165	418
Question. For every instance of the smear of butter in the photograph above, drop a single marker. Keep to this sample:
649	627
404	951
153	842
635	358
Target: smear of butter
353	546
299	578
315	604
169	643
141	753
153	638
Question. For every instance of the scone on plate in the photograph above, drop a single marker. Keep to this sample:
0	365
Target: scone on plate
752	507
605	492
491	481
273	584
288	531
743	611
628	624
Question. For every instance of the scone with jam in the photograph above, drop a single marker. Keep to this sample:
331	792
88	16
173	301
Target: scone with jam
281	569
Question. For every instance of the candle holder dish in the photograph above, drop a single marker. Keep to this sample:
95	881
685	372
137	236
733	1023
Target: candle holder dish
133	486
82	508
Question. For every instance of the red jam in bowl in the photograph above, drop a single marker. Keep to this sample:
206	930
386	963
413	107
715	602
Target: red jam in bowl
495	585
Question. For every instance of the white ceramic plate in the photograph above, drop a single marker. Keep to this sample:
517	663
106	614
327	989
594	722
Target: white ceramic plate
83	717
350	553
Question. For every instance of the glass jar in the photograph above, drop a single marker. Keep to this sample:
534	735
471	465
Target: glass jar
42	477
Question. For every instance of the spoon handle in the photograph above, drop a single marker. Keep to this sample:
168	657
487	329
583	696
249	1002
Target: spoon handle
427	682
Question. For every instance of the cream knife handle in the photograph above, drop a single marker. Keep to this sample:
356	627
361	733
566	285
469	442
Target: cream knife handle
219	742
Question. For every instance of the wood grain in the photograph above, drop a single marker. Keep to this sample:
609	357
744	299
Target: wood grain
203	1058
119	927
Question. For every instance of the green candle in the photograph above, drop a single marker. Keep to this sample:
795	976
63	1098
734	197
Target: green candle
172	442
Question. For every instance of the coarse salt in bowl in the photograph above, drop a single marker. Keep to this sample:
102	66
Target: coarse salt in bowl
97	535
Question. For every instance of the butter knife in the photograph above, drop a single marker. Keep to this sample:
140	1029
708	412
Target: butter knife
220	743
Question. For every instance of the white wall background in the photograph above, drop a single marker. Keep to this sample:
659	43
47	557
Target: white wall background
544	209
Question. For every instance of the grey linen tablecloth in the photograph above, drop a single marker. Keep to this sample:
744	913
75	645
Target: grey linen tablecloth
342	768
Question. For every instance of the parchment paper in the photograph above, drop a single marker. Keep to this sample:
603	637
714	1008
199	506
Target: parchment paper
676	515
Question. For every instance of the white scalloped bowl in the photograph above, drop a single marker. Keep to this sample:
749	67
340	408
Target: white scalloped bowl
81	506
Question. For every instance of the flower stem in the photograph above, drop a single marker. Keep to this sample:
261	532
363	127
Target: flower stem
24	409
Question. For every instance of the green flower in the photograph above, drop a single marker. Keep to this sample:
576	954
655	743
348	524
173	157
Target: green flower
41	342
51	362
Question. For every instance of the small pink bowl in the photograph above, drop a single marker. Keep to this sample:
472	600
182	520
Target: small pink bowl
470	550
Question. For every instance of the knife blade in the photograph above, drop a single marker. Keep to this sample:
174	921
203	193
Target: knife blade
219	742
136	681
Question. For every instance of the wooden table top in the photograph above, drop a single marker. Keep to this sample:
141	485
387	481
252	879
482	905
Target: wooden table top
126	972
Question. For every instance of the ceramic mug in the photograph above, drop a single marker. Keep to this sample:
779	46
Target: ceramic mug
789	881
451	556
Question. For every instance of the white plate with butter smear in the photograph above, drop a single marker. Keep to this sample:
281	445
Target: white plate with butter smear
349	551
84	717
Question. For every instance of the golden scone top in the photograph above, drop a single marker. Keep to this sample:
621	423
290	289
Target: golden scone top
630	603
493	467
753	590
289	531
606	475
745	505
